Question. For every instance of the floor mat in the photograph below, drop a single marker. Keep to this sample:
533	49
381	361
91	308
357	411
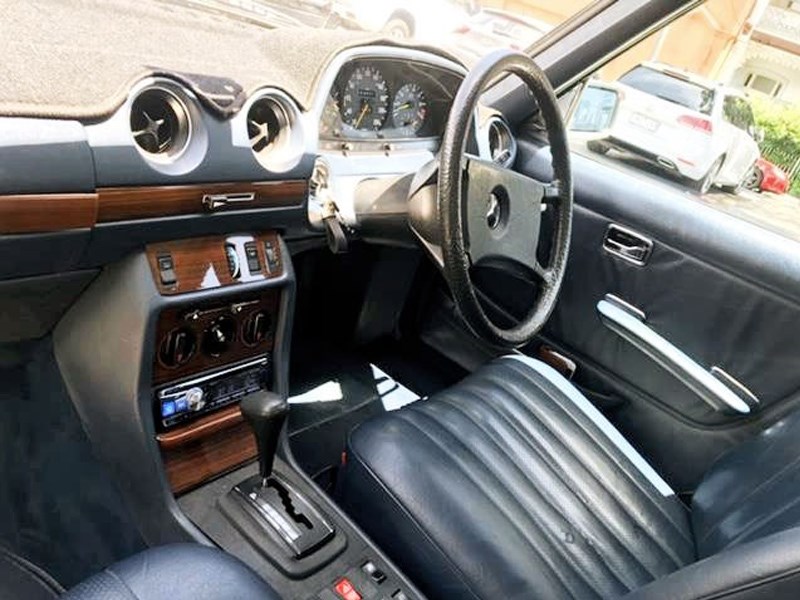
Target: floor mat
328	401
58	507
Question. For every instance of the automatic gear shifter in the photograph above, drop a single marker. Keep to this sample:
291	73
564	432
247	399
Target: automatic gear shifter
265	412
269	497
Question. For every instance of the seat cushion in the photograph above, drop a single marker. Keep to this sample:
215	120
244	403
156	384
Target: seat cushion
512	485
175	572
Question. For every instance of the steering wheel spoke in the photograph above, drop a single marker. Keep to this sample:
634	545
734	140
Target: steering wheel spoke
542	273
503	213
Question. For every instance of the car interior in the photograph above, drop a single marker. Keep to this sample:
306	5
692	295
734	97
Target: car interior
329	315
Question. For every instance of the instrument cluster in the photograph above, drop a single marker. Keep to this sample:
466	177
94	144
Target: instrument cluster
388	99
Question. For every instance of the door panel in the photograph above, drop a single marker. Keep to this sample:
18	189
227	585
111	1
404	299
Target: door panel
724	292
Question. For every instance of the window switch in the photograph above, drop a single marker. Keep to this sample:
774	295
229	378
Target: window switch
166	269
371	570
253	261
273	262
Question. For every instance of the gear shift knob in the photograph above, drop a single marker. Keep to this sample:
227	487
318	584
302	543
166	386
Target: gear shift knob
265	412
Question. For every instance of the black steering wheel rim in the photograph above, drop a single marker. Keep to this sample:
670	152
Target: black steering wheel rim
453	205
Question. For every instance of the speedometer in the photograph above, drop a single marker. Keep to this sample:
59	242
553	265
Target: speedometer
409	109
365	101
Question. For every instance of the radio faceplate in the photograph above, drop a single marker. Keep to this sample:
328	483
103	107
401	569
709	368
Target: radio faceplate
181	402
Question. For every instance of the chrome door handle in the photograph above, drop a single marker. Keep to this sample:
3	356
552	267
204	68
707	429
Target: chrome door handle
627	244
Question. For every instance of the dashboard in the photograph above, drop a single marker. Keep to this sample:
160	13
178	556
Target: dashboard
388	99
170	160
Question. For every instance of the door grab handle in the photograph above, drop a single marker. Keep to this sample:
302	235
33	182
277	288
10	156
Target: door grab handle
215	201
627	244
713	389
737	386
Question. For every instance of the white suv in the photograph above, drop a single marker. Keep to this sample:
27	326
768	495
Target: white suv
686	124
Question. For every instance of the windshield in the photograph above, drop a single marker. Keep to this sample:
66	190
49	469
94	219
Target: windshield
670	88
473	26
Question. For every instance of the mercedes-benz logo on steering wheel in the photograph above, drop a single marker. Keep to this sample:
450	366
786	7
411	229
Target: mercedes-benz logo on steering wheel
493	211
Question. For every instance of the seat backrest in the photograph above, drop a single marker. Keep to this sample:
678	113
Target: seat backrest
751	492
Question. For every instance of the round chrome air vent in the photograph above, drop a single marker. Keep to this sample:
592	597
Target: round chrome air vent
274	130
160	124
268	124
502	144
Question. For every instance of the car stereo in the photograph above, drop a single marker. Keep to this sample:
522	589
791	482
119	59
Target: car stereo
187	400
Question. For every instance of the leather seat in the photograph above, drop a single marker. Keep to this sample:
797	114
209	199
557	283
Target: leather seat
175	572
512	485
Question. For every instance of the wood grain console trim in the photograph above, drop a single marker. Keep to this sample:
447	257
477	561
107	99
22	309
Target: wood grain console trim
40	213
197	430
207	448
127	203
202	263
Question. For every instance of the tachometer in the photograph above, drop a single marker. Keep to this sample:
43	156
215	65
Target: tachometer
409	109
365	100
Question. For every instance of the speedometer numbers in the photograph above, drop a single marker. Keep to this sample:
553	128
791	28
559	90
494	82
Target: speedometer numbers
365	99
409	109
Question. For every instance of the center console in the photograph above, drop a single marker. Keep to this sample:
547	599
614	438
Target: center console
176	359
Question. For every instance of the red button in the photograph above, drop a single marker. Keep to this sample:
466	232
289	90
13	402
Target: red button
346	590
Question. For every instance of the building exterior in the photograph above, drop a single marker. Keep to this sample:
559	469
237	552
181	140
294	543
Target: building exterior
718	23
767	57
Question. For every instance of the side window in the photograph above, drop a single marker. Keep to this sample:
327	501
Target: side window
663	109
748	120
729	110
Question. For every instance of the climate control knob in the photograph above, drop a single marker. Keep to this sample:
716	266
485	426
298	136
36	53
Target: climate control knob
256	327
219	336
176	347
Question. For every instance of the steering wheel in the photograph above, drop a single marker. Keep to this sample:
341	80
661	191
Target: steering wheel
490	214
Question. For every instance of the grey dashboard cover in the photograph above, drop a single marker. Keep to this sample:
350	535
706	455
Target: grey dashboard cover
78	60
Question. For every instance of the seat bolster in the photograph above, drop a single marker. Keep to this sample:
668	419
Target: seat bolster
175	572
399	532
21	579
765	569
750	492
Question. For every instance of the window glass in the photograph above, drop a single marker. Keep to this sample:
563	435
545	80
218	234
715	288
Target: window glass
709	106
671	87
763	84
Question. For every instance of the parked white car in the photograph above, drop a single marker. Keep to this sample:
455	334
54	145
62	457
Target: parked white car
422	19
684	123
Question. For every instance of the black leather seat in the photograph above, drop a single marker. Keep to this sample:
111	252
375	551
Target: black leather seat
512	485
175	572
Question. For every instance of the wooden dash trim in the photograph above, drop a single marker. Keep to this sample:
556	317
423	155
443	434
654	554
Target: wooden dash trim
41	213
128	203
